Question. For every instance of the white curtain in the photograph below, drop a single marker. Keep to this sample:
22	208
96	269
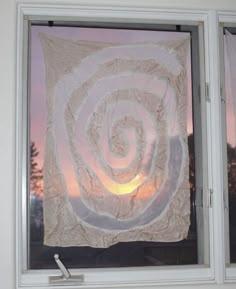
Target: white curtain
116	155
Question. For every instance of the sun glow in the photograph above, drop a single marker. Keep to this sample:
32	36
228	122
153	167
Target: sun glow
124	189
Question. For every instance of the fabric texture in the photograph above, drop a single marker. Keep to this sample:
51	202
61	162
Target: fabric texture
116	164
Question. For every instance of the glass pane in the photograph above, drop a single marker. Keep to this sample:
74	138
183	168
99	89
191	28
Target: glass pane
229	57
121	254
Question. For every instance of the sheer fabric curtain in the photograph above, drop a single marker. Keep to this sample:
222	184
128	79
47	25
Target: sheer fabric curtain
117	122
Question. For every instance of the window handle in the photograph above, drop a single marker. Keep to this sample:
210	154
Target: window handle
66	277
64	271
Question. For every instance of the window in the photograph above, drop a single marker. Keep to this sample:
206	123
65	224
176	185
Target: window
53	49
134	253
227	39
229	76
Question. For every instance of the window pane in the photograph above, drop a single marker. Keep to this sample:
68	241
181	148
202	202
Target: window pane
122	253
230	49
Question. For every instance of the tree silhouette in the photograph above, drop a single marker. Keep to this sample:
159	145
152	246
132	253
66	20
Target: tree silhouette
231	165
36	174
191	162
36	202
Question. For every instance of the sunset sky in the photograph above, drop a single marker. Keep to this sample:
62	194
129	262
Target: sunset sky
38	91
230	115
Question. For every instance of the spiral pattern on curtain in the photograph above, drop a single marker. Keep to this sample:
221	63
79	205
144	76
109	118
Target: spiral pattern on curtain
117	120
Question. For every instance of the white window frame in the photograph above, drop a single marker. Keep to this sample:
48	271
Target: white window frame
228	18
145	277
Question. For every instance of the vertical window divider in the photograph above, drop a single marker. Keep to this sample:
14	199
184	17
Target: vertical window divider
224	143
215	150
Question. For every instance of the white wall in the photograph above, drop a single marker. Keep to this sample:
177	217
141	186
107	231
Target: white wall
7	137
7	120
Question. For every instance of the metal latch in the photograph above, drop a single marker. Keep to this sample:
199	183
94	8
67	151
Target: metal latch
211	197
66	277
207	91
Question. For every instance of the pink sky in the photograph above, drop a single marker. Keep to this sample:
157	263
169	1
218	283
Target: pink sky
230	115
38	91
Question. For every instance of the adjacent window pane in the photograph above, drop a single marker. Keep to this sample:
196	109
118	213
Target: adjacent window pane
230	77
59	58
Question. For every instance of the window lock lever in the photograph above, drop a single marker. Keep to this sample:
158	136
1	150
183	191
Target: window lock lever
66	277
64	271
